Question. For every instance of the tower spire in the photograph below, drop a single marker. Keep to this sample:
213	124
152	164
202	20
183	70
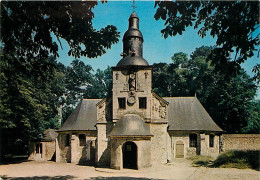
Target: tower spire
134	6
133	44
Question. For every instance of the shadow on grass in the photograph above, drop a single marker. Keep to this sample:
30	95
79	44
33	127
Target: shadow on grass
238	159
230	159
38	178
201	161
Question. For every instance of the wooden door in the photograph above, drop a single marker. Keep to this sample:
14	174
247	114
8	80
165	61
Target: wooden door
179	149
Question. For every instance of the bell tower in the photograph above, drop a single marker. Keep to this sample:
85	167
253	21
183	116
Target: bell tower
132	77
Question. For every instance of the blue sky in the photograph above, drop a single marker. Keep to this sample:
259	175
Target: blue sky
156	49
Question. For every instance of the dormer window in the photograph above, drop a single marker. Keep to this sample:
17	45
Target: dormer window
121	103
142	102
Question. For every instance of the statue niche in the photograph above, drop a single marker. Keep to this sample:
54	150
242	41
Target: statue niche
132	89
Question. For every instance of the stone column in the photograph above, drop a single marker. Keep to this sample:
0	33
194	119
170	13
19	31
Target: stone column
73	145
116	154
102	145
203	145
57	147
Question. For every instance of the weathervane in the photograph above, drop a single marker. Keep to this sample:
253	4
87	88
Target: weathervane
134	6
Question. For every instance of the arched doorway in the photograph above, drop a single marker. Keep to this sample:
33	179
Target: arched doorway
129	155
179	149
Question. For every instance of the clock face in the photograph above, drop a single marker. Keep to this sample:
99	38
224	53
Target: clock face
131	99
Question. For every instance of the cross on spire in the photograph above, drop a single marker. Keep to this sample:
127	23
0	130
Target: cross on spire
134	6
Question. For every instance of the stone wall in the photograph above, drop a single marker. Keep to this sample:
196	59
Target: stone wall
206	150
103	145
240	142
74	152
178	137
182	139
159	143
143	152
48	151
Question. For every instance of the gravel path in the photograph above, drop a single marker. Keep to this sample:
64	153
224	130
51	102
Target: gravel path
66	171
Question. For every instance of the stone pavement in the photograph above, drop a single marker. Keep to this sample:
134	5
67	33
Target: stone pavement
179	169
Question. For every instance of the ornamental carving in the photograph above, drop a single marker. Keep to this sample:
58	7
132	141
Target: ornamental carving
162	112
125	86
102	115
101	110
132	88
132	80
159	107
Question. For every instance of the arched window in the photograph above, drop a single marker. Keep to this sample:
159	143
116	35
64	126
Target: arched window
82	140
193	140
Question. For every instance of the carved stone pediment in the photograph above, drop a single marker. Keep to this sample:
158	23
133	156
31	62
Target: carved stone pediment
159	107
104	110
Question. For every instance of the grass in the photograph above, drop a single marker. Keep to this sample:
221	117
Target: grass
230	159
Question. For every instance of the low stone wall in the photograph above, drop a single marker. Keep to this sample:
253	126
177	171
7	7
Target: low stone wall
240	142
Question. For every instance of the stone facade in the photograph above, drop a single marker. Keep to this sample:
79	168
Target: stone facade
240	142
41	151
143	152
135	128
69	149
202	147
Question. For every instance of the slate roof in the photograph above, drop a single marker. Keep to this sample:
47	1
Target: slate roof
187	113
132	61
84	117
130	125
184	114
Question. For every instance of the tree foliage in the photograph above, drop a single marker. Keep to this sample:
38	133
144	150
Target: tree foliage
235	24
33	85
227	98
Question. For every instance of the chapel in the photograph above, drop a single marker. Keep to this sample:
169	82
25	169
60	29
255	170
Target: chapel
135	128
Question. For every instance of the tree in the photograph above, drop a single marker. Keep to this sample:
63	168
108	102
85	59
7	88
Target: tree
227	99
253	123
101	85
74	81
235	25
28	74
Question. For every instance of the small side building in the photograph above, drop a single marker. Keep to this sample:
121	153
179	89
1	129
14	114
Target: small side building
76	142
43	149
